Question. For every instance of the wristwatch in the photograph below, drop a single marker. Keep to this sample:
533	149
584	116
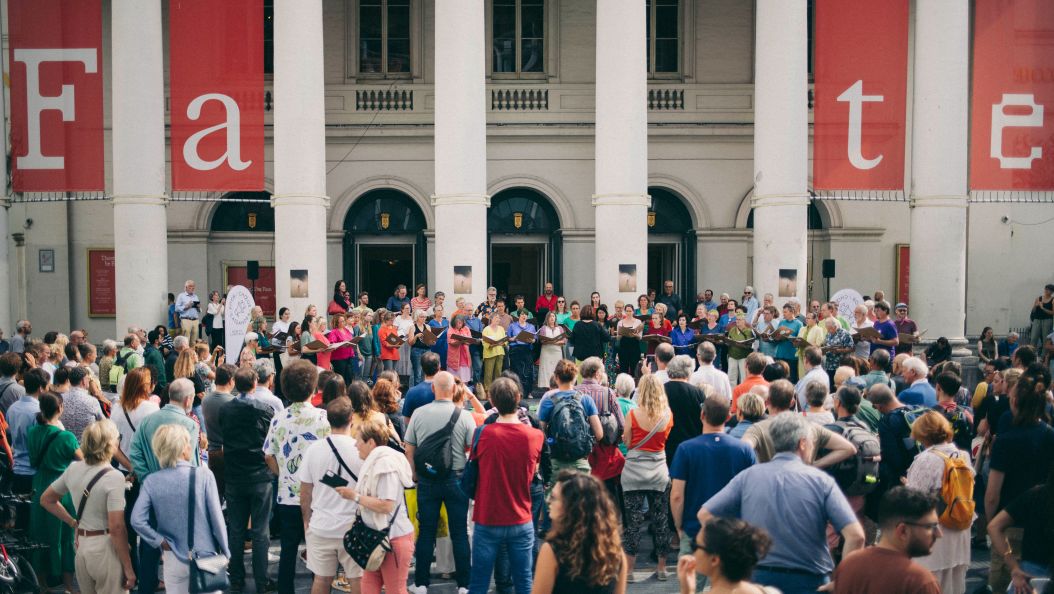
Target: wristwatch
357	496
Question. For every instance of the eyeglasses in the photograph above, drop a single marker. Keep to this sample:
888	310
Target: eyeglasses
560	301
699	547
930	526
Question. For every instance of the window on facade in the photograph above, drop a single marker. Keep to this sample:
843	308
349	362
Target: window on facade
519	36
268	36
663	27
384	37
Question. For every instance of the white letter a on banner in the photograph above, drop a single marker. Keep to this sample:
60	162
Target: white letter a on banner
233	153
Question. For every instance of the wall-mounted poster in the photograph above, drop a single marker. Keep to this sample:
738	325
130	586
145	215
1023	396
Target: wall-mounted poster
903	271
462	280
102	283
298	284
46	260
627	278
262	289
788	282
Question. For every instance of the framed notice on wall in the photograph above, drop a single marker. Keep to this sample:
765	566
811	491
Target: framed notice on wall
102	283
903	271
237	273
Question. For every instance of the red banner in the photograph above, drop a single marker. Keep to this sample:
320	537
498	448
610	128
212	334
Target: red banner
860	94
1012	123
263	289
217	82
56	95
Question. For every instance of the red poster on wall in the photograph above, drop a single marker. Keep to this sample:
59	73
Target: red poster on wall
1012	123
903	272
102	283
263	290
217	80
56	95
861	81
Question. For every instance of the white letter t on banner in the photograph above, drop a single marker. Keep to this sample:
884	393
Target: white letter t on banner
855	96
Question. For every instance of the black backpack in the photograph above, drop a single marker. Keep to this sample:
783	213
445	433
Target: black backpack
434	458
857	475
568	431
609	421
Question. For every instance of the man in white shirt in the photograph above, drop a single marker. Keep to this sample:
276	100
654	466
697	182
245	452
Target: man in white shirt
327	515
264	369
188	308
663	355
708	374
812	358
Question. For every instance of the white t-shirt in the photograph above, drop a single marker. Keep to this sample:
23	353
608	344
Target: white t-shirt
145	409
331	514
389	487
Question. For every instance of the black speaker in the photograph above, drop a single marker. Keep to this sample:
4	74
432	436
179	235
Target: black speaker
828	268
252	269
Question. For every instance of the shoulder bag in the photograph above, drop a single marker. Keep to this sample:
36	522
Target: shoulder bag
207	574
341	460
368	546
470	475
87	491
646	471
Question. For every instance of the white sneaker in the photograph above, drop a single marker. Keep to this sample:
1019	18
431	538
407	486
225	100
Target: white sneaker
462	591
417	589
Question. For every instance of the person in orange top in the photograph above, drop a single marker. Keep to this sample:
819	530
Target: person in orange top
389	353
755	367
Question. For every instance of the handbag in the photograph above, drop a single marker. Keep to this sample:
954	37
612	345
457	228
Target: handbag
470	475
368	546
207	574
644	471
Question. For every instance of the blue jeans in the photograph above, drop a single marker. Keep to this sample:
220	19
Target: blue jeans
430	497
247	502
790	583
503	581
521	361
415	361
517	541
477	364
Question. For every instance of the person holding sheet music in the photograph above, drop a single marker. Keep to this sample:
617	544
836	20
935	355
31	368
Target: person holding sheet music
742	334
630	329
860	321
886	328
788	328
657	326
344	358
404	323
438	325
419	344
521	358
323	357
812	333
458	359
494	340
765	327
553	339
682	337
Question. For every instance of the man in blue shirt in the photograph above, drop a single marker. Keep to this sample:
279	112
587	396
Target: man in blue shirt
703	466
188	308
421	394
887	329
566	372
919	391
788	328
521	353
809	498
21	415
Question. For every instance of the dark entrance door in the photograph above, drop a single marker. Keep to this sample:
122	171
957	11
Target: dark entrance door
662	265
383	267
517	269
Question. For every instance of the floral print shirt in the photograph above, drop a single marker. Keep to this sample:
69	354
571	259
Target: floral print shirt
292	432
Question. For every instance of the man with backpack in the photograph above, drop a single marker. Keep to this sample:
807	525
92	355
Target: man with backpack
436	440
128	358
570	421
856	476
960	417
606	461
894	435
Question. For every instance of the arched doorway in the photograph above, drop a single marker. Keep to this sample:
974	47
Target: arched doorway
242	231
672	244
525	243
384	244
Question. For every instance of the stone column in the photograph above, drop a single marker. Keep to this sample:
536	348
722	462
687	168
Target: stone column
5	266
460	198
781	143
939	165
621	168
138	113
300	198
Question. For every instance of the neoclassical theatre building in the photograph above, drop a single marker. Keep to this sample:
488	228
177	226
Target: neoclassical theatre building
597	144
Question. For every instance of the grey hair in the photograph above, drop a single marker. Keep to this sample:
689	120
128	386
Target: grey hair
1014	334
680	367
181	390
590	368
21	325
787	430
264	369
180	342
917	365
830	321
706	352
624	385
169	443
109	346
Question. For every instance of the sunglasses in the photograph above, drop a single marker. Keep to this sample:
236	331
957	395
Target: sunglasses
699	547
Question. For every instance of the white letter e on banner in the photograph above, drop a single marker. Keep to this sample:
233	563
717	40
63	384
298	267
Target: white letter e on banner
1001	120
233	154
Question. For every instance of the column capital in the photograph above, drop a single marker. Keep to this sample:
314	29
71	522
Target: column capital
291	199
451	199
947	201
622	200
155	199
5	202
763	200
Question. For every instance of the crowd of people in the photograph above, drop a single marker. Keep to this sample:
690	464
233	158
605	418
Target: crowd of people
760	449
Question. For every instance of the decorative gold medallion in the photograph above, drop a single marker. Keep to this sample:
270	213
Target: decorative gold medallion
651	218
517	219
252	220
386	220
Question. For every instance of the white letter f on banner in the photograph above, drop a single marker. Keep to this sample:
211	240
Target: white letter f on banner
855	96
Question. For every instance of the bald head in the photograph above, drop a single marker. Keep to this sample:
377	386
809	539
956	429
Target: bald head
443	386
